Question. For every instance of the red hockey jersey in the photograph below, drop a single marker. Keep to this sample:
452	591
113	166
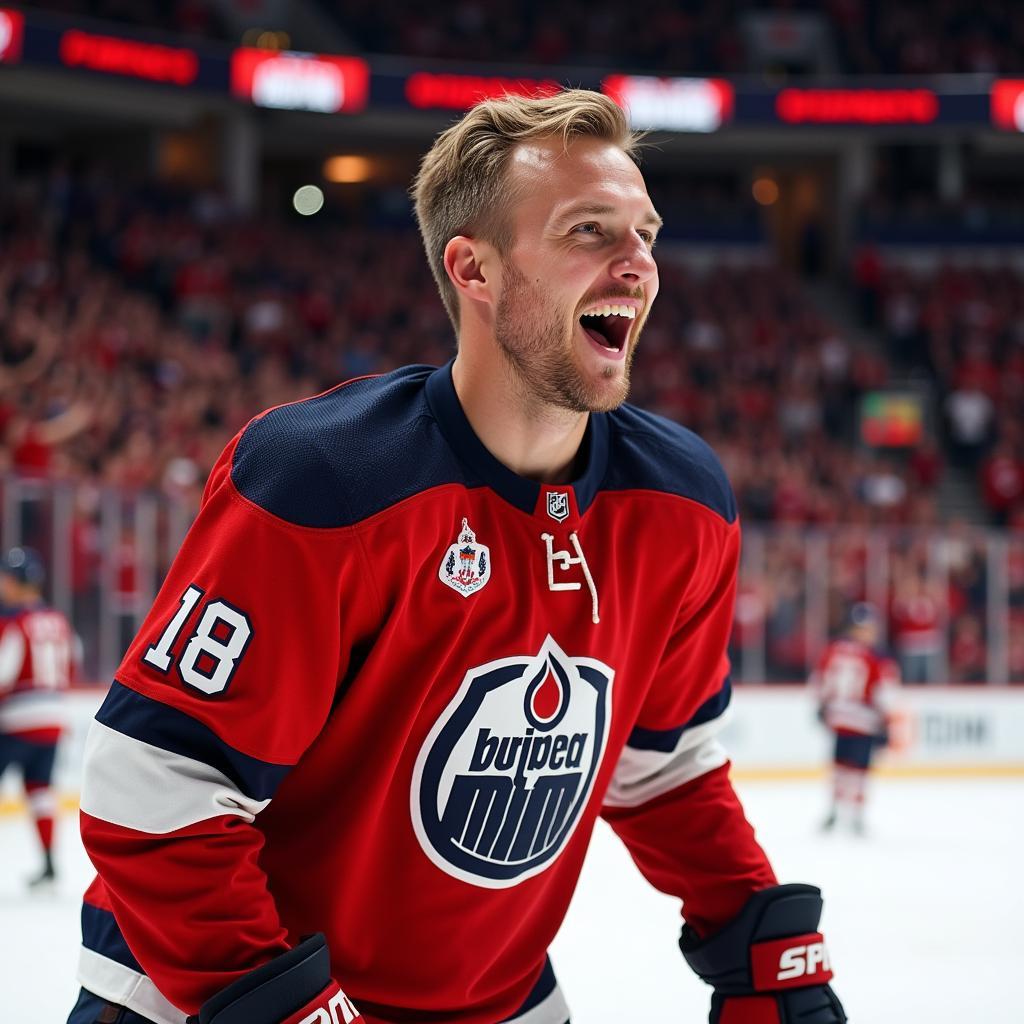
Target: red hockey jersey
855	687
385	691
37	657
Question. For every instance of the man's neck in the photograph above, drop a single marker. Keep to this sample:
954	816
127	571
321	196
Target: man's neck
532	438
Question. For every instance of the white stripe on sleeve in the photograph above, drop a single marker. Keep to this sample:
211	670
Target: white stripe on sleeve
136	785
552	1009
642	775
108	979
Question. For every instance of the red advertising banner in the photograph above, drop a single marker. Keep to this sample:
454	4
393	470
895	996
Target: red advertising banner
425	90
300	81
1008	104
113	55
857	106
12	29
672	104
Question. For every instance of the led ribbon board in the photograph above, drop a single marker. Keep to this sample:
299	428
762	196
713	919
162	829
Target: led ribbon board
672	104
131	58
1007	101
427	90
300	81
857	106
12	29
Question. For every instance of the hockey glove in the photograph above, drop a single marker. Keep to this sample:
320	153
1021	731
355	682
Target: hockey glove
769	964
293	988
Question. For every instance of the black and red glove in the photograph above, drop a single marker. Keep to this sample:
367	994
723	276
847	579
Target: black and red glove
769	965
294	988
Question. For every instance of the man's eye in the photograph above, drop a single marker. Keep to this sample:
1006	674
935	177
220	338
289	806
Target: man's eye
648	237
588	229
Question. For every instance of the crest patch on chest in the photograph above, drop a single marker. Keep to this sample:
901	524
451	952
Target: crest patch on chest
466	565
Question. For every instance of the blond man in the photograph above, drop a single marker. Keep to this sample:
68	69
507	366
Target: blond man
427	628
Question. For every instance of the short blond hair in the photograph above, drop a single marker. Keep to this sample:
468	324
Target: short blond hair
460	186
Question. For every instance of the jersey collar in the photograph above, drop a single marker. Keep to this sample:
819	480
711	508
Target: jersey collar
517	490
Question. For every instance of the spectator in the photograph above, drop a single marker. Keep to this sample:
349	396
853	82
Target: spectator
1002	482
967	663
970	414
915	627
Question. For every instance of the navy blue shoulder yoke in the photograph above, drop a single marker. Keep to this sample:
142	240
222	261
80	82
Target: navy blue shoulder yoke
649	452
338	458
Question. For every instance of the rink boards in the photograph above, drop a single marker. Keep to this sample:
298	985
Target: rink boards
936	731
773	732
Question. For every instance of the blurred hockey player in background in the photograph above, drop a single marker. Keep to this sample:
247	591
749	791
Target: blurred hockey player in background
36	664
855	683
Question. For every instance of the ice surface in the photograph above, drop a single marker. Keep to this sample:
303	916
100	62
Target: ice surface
923	916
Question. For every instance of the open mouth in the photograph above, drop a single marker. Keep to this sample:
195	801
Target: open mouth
609	326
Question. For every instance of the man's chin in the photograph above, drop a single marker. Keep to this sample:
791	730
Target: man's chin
609	403
602	384
605	394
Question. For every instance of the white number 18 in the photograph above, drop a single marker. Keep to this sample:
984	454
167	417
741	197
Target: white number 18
222	636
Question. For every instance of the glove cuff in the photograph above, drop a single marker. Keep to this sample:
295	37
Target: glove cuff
772	944
293	988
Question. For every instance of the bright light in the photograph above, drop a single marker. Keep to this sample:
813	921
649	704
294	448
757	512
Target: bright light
12	27
300	81
672	104
308	200
347	170
1007	102
765	191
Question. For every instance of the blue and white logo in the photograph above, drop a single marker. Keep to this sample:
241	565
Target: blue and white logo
558	506
507	769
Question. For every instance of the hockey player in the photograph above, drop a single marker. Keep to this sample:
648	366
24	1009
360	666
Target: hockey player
36	662
426	628
855	685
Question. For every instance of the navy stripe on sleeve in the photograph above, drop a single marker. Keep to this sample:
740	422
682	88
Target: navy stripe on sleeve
541	990
665	741
165	727
101	934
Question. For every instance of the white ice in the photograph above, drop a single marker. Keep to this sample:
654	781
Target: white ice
923	916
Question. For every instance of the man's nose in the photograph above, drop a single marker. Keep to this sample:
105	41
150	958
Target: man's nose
635	263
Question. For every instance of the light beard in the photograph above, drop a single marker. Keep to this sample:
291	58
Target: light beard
540	353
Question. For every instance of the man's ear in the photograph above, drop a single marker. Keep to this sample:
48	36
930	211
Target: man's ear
471	266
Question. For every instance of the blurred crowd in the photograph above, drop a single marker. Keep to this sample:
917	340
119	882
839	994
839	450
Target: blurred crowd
680	36
692	36
141	327
201	18
934	590
961	328
745	358
925	37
